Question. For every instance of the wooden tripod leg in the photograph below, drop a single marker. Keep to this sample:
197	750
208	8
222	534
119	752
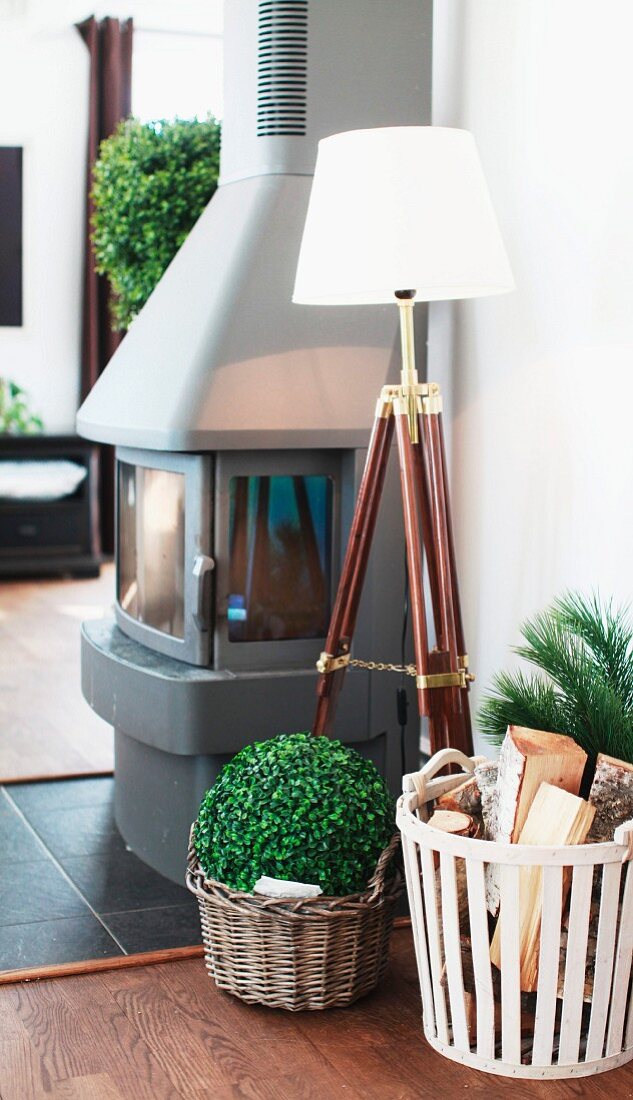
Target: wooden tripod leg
343	621
411	505
424	506
464	721
451	709
457	609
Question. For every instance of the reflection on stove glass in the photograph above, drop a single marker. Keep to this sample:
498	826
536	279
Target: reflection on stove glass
151	550
280	558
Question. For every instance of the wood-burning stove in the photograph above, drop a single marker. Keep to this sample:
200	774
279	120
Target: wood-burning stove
240	444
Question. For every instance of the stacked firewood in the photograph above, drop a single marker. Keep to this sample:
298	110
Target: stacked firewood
532	796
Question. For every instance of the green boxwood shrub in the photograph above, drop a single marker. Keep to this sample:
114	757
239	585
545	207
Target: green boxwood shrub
151	182
295	807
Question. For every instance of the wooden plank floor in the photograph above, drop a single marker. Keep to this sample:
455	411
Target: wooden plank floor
165	1032
46	727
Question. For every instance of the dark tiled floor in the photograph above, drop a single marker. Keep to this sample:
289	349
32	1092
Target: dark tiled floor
151	929
17	842
78	831
44	943
69	888
61	794
116	881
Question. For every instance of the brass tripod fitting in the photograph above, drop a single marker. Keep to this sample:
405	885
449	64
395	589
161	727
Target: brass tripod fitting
408	374
328	663
432	401
459	679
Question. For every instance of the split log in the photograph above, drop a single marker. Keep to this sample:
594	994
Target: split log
556	818
461	884
527	759
528	1000
464	799
612	795
452	821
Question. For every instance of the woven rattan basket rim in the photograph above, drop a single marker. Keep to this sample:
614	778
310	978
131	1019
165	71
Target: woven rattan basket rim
380	890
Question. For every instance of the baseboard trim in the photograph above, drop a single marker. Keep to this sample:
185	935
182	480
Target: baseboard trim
94	966
58	777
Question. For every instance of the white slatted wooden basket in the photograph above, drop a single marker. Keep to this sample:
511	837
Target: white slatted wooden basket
478	1016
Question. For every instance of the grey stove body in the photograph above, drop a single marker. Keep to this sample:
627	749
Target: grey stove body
241	424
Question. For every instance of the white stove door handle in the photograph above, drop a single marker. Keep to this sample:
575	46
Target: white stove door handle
201	566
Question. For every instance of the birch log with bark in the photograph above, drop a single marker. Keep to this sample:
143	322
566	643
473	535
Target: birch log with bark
486	775
612	795
527	759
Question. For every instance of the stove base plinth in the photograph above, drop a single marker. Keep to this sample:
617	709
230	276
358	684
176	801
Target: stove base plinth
176	725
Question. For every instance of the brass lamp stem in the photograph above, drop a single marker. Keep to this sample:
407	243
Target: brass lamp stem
408	373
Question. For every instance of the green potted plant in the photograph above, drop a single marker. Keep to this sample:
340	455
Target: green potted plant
151	182
16	416
309	810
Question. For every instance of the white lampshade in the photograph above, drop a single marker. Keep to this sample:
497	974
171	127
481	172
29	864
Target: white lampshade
399	208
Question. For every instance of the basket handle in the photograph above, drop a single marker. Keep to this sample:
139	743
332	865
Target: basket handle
376	884
415	782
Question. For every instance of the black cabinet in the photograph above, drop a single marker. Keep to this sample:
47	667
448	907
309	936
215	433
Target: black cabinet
40	537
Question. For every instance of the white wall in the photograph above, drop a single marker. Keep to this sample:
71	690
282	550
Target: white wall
43	97
43	76
541	381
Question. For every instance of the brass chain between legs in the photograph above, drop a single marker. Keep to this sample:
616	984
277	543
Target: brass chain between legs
381	666
327	663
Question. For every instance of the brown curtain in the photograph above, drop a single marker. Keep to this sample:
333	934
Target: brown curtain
109	44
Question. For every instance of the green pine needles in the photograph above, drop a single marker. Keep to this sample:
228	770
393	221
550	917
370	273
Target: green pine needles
296	807
584	651
151	182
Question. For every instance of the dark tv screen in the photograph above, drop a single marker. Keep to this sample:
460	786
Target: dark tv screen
10	235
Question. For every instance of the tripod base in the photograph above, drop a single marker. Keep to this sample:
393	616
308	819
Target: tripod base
442	674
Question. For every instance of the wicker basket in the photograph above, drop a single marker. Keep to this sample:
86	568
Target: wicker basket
307	954
566	1028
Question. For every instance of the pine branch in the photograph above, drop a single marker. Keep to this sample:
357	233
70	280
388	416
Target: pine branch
521	700
585	651
608	634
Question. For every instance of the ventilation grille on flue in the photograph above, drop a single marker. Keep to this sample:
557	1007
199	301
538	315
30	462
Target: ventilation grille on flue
282	67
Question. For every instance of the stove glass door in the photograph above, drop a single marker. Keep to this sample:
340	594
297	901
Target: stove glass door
152	547
277	521
164	568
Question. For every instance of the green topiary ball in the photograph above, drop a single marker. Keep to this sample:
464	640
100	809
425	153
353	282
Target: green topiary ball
296	807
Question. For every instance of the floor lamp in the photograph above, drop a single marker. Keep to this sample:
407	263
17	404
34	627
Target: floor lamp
395	214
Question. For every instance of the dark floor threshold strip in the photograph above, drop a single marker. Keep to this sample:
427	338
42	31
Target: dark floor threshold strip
93	966
15	781
119	962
